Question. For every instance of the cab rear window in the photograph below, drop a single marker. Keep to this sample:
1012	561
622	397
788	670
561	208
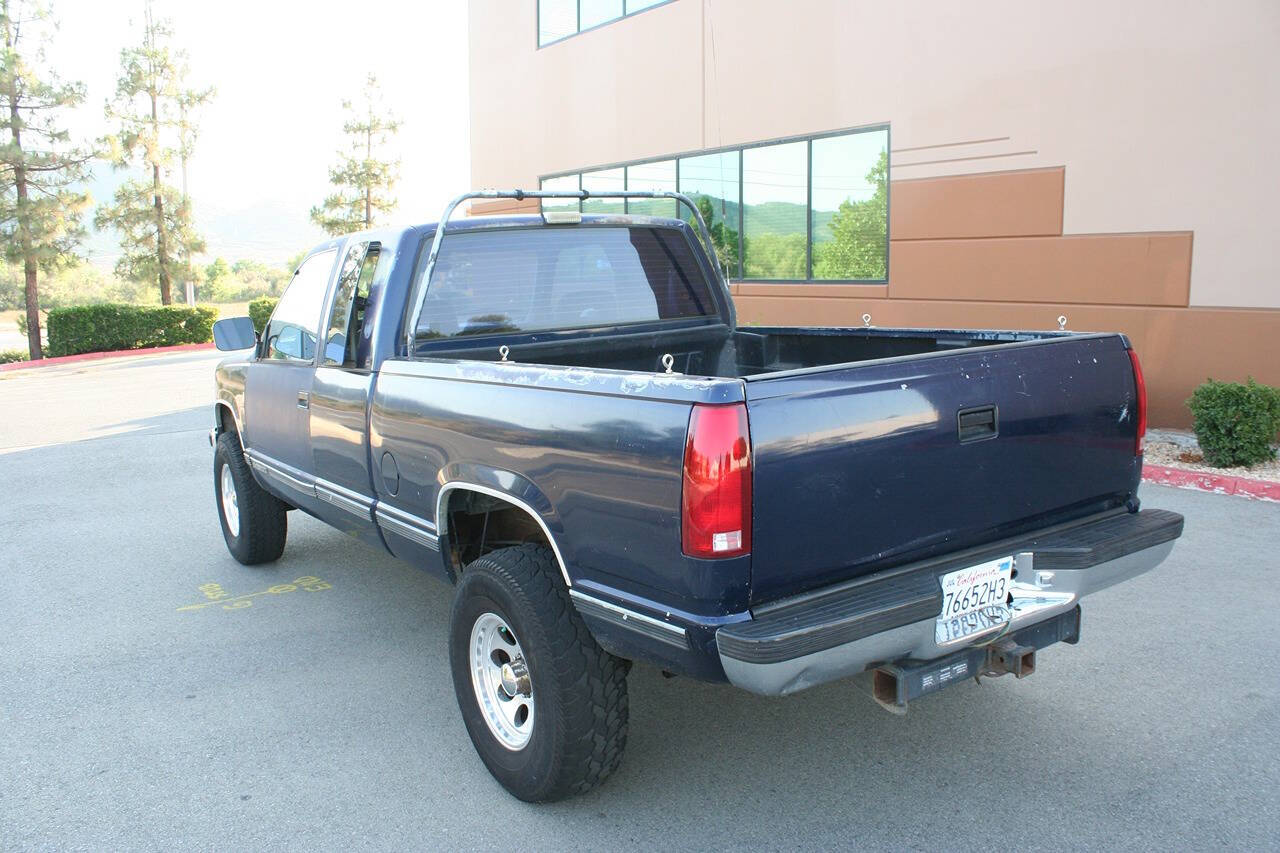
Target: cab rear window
536	279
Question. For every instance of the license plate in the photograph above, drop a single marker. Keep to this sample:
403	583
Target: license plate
973	600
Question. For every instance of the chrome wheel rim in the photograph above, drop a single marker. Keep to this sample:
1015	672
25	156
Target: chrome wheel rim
230	506
500	679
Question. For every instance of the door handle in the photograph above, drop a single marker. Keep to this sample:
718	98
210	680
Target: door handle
978	423
304	399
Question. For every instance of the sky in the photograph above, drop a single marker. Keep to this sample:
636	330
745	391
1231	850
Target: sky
271	133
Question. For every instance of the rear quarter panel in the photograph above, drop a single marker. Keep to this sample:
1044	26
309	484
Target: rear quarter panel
599	454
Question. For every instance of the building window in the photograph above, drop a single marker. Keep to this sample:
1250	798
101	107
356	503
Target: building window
604	181
711	182
559	19
812	208
849	211
593	13
774	207
657	177
567	183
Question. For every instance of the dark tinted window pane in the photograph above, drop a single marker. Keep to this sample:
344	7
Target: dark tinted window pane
291	333
774	195
711	181
653	177
556	20
558	278
605	180
566	183
851	206
597	12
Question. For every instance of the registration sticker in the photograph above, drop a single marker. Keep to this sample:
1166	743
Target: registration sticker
974	600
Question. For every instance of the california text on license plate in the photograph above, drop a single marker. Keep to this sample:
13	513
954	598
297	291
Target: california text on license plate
967	595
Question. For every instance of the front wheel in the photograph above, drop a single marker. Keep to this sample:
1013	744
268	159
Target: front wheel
545	706
254	521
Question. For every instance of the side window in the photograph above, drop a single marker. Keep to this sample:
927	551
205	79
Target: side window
346	321
291	333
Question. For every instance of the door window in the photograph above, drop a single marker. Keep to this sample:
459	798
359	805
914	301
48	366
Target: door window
346	320
291	333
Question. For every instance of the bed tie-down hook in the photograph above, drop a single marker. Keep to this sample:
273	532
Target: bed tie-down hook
667	361
1062	322
866	320
504	351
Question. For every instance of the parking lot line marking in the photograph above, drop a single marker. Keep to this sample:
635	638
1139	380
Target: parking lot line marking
217	596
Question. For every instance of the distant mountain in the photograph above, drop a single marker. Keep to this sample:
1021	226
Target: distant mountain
789	216
271	232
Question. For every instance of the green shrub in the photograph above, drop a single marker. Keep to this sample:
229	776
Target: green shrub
1236	422
260	311
107	327
8	356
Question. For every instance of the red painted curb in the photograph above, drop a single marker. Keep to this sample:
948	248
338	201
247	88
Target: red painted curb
1223	484
93	356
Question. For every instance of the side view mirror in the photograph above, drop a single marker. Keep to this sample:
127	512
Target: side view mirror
234	333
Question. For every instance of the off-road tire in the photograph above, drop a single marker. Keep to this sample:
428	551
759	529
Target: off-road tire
580	690
264	518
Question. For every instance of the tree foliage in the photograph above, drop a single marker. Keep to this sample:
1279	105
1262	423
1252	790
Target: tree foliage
40	209
364	177
155	110
857	246
723	238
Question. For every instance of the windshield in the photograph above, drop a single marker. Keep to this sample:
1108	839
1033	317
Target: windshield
536	279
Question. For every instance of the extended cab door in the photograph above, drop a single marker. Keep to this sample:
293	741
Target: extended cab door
278	385
340	398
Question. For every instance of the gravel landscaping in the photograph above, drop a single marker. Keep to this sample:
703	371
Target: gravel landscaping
1179	449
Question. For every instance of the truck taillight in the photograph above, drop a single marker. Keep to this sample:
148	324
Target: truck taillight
715	507
1140	385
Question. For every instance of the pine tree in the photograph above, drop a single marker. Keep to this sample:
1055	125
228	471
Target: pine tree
364	178
155	112
40	210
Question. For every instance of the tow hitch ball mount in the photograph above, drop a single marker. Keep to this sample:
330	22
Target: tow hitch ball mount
895	684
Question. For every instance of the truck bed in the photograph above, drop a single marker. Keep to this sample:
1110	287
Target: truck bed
872	447
745	353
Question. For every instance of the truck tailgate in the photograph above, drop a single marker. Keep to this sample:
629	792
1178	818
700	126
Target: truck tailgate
865	466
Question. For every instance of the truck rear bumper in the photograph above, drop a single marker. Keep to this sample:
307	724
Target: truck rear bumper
891	616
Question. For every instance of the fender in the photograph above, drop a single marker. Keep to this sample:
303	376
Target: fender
230	379
218	407
513	488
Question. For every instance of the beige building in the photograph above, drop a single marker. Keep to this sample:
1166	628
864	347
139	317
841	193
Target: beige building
1110	162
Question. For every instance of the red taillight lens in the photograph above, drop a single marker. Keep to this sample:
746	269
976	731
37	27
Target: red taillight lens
715	508
1141	386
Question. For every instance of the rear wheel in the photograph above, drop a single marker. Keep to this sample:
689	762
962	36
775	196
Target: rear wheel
546	708
254	521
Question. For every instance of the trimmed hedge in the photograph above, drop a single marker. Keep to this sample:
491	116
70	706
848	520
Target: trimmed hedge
108	327
260	311
9	356
1236	422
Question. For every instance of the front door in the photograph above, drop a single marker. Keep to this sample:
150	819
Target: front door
278	385
340	397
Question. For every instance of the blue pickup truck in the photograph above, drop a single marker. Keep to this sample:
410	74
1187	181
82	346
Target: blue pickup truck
559	415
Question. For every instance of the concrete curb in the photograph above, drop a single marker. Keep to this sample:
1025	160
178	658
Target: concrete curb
93	356
1222	484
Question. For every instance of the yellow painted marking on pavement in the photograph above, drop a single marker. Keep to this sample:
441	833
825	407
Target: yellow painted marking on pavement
218	596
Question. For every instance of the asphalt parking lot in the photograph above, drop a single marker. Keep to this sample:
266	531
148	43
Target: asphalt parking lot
135	712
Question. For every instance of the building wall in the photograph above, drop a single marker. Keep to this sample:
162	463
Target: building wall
1107	162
